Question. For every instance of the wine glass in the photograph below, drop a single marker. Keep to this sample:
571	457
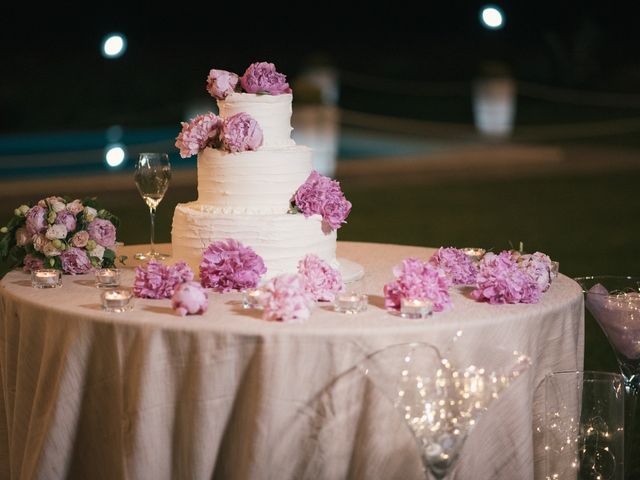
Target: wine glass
614	302
439	401
152	176
584	425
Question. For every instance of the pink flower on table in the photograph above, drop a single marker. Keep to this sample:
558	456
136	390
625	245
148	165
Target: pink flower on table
201	132
241	132
221	83
189	298
539	266
285	298
456	264
80	239
66	218
157	280
501	280
102	231
323	281
320	195
75	260
262	77
416	279
32	263
36	220
229	265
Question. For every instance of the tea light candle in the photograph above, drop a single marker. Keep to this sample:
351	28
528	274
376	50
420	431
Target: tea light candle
415	308
350	302
474	253
46	278
107	277
117	300
251	298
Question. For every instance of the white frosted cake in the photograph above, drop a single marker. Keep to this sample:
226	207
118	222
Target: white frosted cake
246	195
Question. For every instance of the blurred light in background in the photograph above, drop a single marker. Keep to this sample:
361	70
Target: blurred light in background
114	45
491	17
115	155
114	133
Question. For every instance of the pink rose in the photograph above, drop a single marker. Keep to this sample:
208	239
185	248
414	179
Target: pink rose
262	77
75	207
103	232
80	239
189	298
221	83
36	221
39	241
22	237
241	132
75	260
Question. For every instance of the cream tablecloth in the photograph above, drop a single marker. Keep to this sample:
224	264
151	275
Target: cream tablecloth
149	395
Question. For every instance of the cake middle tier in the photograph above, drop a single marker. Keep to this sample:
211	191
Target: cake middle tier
260	181
281	239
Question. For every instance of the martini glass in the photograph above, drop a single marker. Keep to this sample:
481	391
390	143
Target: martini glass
440	402
614	302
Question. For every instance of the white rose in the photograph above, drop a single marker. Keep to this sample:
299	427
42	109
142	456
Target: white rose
22	237
90	213
56	231
39	241
58	206
98	251
50	250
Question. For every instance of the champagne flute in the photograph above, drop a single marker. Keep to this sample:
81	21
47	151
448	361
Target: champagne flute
152	175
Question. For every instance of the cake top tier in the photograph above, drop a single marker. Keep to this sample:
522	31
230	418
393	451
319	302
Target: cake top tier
272	112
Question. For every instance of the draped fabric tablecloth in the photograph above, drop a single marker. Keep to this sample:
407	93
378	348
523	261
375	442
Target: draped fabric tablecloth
150	395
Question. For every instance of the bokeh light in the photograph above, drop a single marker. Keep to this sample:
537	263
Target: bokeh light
115	155
114	45
491	17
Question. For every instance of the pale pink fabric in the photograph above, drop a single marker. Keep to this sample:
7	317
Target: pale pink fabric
150	395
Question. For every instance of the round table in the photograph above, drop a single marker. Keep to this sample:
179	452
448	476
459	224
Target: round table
149	394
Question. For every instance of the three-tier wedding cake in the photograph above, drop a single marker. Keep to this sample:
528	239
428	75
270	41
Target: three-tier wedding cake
255	185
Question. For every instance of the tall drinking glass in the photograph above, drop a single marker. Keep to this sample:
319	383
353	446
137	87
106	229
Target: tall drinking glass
152	176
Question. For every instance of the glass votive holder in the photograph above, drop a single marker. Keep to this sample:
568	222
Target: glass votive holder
107	278
415	308
46	278
350	302
474	253
555	268
251	298
117	300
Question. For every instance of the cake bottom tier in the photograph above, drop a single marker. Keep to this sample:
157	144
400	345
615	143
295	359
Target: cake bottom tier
281	239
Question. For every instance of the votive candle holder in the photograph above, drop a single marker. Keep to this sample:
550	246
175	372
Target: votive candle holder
46	278
251	298
474	253
415	308
107	278
117	300
350	302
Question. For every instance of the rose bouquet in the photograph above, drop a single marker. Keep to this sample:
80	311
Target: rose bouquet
74	236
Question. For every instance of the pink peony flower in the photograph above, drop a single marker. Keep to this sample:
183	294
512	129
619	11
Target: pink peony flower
36	220
456	264
80	239
285	298
323	281
66	218
501	280
198	134
221	83
320	195
241	132
229	265
32	263
189	298
538	265
75	260
419	280
262	77
157	280
102	232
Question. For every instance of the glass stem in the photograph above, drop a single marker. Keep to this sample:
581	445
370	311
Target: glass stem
152	215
